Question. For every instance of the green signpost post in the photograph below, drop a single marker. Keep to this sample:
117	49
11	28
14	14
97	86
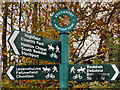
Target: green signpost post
63	68
34	46
29	72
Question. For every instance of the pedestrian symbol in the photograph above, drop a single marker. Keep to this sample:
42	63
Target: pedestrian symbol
72	70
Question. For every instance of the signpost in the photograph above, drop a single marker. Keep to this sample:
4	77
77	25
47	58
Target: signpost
63	68
34	46
93	72
28	72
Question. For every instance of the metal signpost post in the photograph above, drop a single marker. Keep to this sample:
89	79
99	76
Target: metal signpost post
93	72
63	68
34	46
29	72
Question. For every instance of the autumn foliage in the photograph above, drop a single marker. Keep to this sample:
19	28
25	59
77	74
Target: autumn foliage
94	40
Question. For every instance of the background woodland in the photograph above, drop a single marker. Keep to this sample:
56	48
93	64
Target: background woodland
94	40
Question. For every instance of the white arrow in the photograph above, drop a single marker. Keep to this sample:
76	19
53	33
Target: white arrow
9	73
116	71
12	39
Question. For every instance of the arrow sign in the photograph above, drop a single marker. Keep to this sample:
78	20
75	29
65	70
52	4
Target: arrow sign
9	73
11	41
93	72
116	71
28	72
34	46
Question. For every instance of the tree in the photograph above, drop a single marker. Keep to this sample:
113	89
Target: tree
4	49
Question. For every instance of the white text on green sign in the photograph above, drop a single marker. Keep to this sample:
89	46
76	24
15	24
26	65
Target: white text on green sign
34	46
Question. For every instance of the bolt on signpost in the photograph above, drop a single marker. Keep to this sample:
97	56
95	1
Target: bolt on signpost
63	67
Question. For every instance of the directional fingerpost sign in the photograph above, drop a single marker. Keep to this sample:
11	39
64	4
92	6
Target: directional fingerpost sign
93	72
28	72
34	46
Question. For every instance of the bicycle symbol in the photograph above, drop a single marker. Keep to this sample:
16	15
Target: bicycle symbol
77	76
53	55
50	76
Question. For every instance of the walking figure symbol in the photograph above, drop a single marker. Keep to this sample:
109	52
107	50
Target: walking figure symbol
55	69
57	49
72	69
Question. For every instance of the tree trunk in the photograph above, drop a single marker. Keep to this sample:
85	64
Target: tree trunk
4	48
118	50
34	19
20	17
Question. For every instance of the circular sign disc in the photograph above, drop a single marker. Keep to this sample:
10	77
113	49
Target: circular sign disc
63	29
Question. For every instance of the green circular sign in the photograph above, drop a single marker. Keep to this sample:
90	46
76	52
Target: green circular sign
63	29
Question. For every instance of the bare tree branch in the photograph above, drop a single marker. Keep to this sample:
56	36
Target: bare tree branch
87	49
89	57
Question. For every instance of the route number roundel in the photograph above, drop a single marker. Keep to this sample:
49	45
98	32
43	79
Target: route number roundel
63	29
